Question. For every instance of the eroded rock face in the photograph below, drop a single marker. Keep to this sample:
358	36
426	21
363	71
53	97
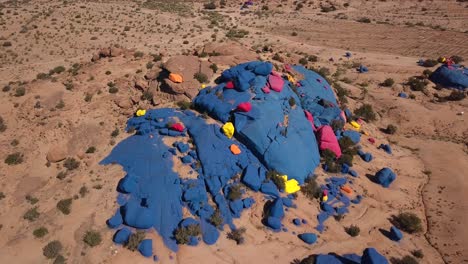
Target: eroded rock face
124	103
107	52
228	54
57	153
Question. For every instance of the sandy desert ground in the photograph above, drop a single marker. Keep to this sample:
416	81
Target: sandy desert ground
53	114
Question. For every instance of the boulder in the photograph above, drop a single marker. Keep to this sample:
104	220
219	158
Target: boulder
153	73
385	177
122	236
115	52
395	234
141	84
146	248
309	238
124	102
57	153
372	256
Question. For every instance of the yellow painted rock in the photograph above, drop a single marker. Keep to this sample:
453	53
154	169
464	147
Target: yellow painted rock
228	129
141	112
291	186
325	198
355	125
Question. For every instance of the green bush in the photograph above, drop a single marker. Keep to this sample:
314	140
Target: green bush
391	129
91	149
200	77
417	84
40	232
71	164
311	189
418	253
303	61
276	178
64	206
353	230
366	112
138	54
115	133
184	105
88	97
52	249
3	126
217	219
388	82
113	90
31	215
235	192
292	101
92	238
210	5
6	44
364	20
20	91
134	240
14	159
42	76
409	222
430	63
237	235
183	234
236	33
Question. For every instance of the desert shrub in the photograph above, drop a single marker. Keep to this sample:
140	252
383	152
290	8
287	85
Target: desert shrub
311	259
456	95
92	238
214	67
236	33
417	84
31	199
14	158
68	85
418	253
184	105
60	260
275	177
138	54
156	57
337	124
342	93
20	91
237	235
277	57
83	191
328	155
60	104
426	73
52	249
147	96
3	126
42	76
326	9
216	219
235	192
61	175
303	61
409	222
312	58
2	195
183	234
134	240
388	82
40	232
366	112
294	33
115	133
185	42
91	149
64	206
6	44
31	215
457	59
200	77
311	189
210	5
353	230
88	97
364	20
71	164
113	90
405	260
391	129
57	70
430	63
338	217
6	88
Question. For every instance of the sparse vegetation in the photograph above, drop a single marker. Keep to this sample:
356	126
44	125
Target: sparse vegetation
405	260
40	232
430	63
32	200
184	105
31	215
20	91
113	89
237	235
64	206
71	164
353	230
409	222
210	6
388	82
236	33
91	149
61	175
391	129
214	67
366	112
52	249
14	158
3	126
200	77
92	238
364	20
418	253
216	219
235	192
183	234
134	240
311	189
115	133
83	191
276	178
417	83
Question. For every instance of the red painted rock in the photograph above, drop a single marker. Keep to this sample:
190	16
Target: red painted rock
244	107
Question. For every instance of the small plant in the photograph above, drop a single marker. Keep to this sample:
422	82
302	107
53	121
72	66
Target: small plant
388	82
214	67
391	129
69	85
364	20
277	57
71	164
292	101
91	149
40	232
366	112
409	222
52	249
113	90
14	159
138	54
60	104
83	191
31	215
6	44
61	175
183	234
57	70
14	142
134	240
457	59
210	5
311	189
276	178
235	192
418	253
3	126
426	73
237	235
430	63
216	219
88	97
60	260
200	77
2	195
294	33
64	206
147	96
417	84
32	200
184	105
6	88
405	260
115	133
92	238
108	72
20	91
353	230
456	95
303	61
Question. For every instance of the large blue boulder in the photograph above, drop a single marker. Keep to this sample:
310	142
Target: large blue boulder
122	236
137	216
116	220
372	256
251	177
210	233
128	184
276	209
274	223
353	135
385	177
327	259
454	76
146	248
395	234
269	188
309	238
248	202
